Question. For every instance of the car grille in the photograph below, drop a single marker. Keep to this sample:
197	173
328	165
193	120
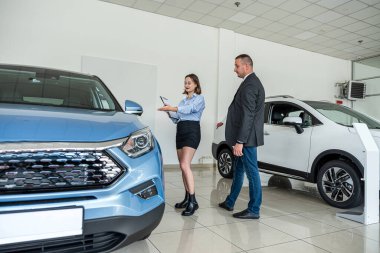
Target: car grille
100	242
52	171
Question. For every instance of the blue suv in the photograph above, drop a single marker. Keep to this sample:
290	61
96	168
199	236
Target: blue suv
77	172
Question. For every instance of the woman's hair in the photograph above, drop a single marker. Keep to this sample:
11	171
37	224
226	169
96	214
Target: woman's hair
195	79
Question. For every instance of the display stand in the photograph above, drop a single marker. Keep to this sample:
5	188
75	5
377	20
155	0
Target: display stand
370	212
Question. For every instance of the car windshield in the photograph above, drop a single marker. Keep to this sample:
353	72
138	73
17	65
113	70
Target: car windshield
28	85
343	115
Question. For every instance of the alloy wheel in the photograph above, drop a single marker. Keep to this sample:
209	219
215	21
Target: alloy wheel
337	184
225	163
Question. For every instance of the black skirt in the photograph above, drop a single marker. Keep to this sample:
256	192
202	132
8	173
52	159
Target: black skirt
188	134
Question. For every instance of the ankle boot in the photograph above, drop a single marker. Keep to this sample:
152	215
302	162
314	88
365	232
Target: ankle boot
191	207
184	202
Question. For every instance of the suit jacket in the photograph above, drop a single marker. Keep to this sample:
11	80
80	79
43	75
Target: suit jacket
245	118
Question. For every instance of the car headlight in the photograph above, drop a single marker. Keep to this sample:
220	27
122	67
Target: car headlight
138	143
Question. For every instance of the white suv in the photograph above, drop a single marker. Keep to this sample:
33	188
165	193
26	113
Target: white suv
311	141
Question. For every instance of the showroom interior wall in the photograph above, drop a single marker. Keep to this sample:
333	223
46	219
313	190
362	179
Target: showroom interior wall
59	33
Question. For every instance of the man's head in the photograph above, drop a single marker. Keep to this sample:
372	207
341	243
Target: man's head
243	65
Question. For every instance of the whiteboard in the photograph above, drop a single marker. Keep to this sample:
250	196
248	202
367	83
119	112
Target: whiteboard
127	81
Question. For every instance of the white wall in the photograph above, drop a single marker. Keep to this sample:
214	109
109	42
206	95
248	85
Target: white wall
58	33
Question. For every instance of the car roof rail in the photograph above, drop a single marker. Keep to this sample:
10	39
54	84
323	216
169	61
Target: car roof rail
280	96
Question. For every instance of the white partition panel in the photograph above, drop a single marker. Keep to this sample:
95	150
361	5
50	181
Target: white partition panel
370	214
127	80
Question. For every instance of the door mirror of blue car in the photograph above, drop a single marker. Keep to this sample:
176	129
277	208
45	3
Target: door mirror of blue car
133	108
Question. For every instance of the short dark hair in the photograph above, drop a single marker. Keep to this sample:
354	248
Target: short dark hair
194	77
245	58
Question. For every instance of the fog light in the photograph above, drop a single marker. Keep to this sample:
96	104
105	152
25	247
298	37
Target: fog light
145	190
148	193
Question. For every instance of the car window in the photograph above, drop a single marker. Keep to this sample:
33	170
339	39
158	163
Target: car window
343	115
280	111
50	87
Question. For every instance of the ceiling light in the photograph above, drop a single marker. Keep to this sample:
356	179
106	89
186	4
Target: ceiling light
305	35
241	17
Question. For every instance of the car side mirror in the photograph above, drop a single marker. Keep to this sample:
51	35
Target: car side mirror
132	107
294	121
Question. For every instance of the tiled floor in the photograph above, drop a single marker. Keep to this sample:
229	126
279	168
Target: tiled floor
293	219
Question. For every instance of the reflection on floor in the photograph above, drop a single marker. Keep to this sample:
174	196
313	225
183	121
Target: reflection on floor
293	219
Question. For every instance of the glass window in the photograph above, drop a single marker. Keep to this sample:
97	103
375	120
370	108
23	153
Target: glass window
343	115
26	85
366	68
280	111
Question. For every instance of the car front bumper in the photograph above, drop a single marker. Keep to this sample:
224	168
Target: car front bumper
112	216
100	235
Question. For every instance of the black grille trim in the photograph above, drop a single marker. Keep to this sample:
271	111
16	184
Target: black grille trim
93	243
142	186
28	172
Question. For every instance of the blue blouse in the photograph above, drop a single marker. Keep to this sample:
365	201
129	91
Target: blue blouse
191	108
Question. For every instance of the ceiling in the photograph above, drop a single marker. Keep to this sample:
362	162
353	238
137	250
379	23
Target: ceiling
346	29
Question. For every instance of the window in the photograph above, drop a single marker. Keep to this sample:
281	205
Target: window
280	111
51	87
343	115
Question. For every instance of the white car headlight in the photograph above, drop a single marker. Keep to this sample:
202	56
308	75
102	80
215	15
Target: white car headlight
138	143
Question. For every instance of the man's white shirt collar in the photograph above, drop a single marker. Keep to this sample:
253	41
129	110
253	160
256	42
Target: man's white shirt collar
246	76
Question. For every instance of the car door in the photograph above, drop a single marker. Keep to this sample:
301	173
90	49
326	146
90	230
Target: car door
285	150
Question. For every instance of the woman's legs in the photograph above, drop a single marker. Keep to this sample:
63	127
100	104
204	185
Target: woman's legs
179	155
185	156
185	201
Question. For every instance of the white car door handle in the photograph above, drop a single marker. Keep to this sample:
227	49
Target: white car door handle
266	133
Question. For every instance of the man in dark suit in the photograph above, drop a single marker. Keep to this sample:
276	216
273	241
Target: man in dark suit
245	132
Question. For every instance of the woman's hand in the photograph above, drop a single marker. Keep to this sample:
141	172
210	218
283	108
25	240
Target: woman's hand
168	108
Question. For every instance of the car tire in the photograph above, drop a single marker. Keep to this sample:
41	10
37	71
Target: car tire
339	184
225	163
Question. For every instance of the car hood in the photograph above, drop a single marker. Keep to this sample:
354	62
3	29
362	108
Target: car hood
46	124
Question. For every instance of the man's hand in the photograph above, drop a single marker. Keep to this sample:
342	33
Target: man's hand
238	149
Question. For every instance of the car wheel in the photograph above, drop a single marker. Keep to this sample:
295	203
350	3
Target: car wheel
339	184
225	163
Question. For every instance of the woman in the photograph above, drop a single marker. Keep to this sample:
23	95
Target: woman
189	112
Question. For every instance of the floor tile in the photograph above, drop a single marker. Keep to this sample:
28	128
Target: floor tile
173	221
267	211
292	205
329	217
290	247
298	226
175	193
370	231
345	242
144	246
251	234
213	216
192	241
294	219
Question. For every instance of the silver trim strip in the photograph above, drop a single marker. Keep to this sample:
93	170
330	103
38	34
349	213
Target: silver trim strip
9	147
282	174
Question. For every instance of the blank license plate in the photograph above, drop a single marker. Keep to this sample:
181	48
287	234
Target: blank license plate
40	224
